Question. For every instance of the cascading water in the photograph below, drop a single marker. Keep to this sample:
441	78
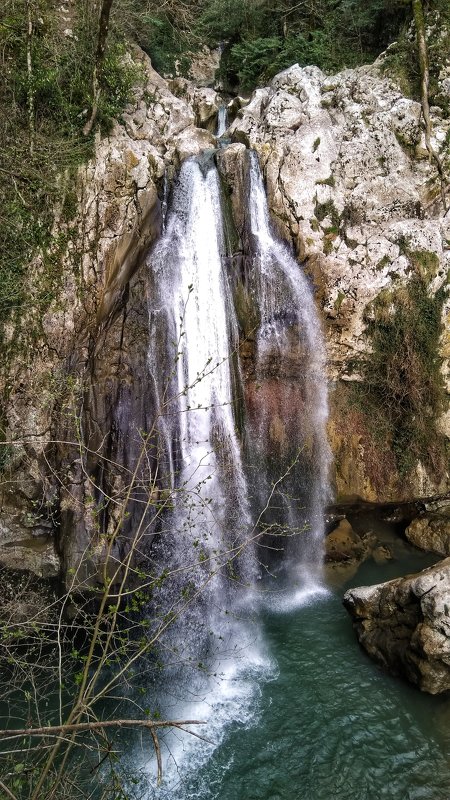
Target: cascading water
208	542
196	317
290	413
222	121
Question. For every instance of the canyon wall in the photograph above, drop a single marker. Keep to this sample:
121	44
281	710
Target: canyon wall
350	188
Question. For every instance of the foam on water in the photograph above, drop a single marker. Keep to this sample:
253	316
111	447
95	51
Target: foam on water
213	654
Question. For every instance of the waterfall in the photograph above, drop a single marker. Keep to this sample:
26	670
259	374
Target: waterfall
222	121
291	413
205	543
208	542
194	309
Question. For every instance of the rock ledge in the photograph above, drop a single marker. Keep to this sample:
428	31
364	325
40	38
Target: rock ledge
404	625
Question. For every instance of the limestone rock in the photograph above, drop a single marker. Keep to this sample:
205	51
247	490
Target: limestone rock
343	544
284	111
26	544
405	625
204	101
381	554
346	189
191	142
231	162
204	66
430	532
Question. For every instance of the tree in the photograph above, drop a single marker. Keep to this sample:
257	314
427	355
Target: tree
98	62
422	50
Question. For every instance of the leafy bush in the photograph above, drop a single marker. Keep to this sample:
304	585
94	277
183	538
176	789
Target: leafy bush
61	86
166	45
263	37
403	393
318	47
254	59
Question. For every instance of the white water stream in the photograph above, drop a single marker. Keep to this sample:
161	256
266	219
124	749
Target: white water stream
222	121
213	656
289	340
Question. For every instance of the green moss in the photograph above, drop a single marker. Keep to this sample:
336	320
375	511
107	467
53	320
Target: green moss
316	144
339	300
405	144
403	393
327	181
425	263
246	309
327	209
382	263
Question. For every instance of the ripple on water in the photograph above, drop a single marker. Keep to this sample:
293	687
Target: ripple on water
331	726
328	725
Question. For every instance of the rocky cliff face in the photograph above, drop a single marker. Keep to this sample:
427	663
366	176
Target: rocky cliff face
76	402
348	184
405	625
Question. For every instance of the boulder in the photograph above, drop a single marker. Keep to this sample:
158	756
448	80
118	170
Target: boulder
204	65
404	625
430	532
205	102
193	141
343	544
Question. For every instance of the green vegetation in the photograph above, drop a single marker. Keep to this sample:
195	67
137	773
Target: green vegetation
403	392
402	61
328	209
262	38
41	148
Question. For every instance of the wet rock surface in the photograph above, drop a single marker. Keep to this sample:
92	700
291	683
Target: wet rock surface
343	544
431	532
404	625
349	187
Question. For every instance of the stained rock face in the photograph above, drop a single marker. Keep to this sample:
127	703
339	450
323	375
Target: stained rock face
343	544
404	625
88	370
349	186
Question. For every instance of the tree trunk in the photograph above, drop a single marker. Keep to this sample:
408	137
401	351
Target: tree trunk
419	22
30	91
99	58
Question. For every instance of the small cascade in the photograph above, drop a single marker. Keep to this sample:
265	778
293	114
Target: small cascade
222	121
165	199
290	407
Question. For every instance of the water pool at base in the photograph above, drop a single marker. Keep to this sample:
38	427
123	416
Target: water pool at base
328	724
